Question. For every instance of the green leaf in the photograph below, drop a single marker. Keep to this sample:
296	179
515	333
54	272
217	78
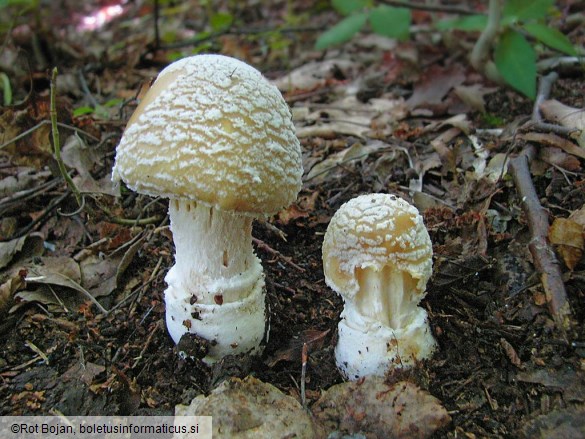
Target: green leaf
516	61
391	22
470	23
551	37
221	21
113	102
342	31
527	9
6	89
82	111
5	3
347	7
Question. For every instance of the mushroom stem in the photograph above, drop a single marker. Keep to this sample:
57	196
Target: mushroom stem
216	287
366	347
213	253
383	295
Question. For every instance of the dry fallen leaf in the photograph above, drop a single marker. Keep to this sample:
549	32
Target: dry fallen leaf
436	83
556	141
324	170
24	178
313	74
578	216
511	353
558	112
440	145
473	95
26	246
557	157
9	248
378	410
351	117
7	290
569	238
50	281
301	209
76	154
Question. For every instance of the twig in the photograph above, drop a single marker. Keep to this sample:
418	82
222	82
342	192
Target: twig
550	128
304	358
430	8
560	62
543	255
85	88
156	14
332	200
45	122
157	326
30	226
250	31
26	193
544	258
262	245
57	141
75	212
301	96
544	89
136	222
344	161
479	57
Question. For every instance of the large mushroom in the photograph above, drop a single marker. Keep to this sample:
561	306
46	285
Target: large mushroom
377	254
217	139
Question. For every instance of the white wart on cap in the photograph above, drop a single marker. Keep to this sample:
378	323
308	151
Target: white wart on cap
212	129
377	254
214	136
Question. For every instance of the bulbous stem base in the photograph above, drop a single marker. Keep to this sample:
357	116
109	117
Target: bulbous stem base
216	287
367	347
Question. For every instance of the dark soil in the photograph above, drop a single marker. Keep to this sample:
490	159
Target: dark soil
501	360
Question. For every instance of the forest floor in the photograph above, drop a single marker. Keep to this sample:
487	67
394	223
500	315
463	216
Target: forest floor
374	115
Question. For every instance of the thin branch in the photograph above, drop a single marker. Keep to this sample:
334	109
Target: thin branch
304	359
30	226
157	326
156	14
544	89
252	31
544	257
560	62
262	245
76	211
430	8
57	141
536	123
45	122
136	222
479	58
550	128
17	197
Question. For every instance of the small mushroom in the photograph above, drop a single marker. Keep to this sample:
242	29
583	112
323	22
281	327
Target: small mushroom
217	139
377	254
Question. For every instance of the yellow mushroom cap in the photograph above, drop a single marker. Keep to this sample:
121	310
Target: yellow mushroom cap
212	129
376	231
